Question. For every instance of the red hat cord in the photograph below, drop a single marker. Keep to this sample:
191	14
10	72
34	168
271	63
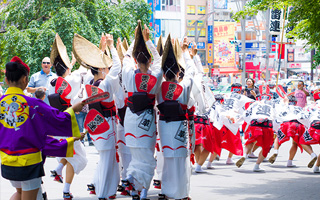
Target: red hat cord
18	60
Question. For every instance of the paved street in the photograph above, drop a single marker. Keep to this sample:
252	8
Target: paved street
223	182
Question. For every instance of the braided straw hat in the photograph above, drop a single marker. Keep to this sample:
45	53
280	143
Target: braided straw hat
139	43
125	44
168	52
179	54
160	46
88	54
58	48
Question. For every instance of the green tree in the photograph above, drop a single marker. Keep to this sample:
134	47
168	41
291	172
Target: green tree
305	18
32	25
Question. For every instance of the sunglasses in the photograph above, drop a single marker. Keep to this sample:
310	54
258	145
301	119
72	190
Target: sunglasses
48	63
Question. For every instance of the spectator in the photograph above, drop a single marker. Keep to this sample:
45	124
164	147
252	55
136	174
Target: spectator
285	87
251	91
301	95
40	93
42	79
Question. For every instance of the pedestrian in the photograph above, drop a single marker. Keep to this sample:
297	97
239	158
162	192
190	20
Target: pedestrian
21	160
301	95
42	78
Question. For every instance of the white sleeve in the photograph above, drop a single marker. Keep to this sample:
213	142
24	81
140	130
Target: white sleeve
198	64
116	64
156	65
128	66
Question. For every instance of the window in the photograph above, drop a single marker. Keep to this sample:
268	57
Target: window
171	26
170	5
192	22
202	32
250	35
191	32
191	10
201	10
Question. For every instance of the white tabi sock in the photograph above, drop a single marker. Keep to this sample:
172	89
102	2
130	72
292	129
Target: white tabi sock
59	169
198	167
313	155
66	187
275	151
289	163
257	166
246	156
130	178
144	193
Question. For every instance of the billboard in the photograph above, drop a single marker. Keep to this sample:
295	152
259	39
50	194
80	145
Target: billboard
224	51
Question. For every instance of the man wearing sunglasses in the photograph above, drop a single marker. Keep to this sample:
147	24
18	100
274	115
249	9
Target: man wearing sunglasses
42	78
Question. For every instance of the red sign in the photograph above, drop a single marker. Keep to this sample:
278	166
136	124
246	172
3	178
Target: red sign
215	71
294	65
282	51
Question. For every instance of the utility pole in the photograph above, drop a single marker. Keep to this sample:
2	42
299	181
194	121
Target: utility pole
267	44
313	51
196	31
243	42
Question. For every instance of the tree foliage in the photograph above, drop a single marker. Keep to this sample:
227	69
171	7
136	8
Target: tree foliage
32	24
305	18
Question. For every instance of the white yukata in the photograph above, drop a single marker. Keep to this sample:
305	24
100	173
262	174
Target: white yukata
124	151
140	127
107	176
79	160
174	136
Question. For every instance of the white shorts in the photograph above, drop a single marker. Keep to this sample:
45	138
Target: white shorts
27	185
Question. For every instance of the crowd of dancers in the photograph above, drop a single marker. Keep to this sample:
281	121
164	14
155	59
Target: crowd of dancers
157	115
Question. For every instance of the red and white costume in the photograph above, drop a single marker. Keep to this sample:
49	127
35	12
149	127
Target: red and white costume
139	123
260	116
173	129
107	176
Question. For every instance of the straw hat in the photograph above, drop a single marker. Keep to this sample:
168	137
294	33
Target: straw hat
125	44
160	46
168	52
121	52
139	43
88	54
58	48
179	54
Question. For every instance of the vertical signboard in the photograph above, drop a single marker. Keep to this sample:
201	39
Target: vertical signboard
210	54
224	51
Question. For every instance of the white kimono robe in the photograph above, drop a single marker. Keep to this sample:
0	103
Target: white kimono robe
140	130
174	140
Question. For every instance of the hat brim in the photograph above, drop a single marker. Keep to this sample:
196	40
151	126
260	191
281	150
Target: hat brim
59	49
88	54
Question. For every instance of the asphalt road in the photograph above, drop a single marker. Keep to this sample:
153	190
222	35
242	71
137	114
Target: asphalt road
223	182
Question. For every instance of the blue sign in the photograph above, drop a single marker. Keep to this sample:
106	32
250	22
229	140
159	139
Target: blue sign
157	27
201	45
210	34
252	46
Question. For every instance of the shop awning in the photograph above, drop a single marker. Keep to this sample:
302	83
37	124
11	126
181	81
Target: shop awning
301	70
